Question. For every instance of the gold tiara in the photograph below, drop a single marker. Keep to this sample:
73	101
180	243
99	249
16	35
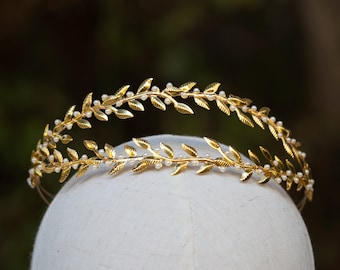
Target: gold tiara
46	158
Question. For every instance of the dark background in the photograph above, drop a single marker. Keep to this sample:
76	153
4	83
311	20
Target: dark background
283	54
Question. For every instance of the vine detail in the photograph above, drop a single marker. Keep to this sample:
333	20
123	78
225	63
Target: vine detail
46	158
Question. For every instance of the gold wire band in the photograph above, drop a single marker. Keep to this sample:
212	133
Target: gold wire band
46	158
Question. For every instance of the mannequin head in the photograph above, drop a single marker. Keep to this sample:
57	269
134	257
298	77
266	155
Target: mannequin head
153	220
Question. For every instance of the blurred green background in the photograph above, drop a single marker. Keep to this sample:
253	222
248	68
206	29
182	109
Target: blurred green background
284	54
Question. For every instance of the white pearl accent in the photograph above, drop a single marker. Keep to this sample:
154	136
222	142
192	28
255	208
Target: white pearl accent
222	94
155	89
158	165
57	122
129	94
167	101
76	113
184	95
96	102
222	169
168	163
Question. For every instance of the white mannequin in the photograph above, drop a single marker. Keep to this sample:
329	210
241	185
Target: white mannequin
153	220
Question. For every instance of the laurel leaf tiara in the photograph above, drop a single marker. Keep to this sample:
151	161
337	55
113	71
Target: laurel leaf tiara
46	158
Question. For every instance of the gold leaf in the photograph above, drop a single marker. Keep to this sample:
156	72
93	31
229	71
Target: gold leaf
65	139
205	168
100	115
117	167
243	118
49	168
135	105
91	145
167	150
87	103
223	107
235	100
189	150
112	99
45	151
221	162
257	121
228	159
187	86
246	175
150	160
214	144
254	157
72	154
64	174
82	170
131	151
265	111
279	163
265	153
144	86
141	143
202	103
290	166
183	108
287	148
172	90
69	114
236	154
45	134
273	131
212	88
309	194
141	166
289	183
52	145
180	167
109	150
300	185
264	179
158	103
121	92
247	101
57	155
123	114
83	123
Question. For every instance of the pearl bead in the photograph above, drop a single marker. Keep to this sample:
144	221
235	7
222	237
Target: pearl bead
184	95
129	94
167	101
155	89
222	94
158	165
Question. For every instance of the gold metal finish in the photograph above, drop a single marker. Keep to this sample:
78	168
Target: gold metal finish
47	159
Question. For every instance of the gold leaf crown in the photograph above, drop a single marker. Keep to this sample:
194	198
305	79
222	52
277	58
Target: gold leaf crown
46	158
